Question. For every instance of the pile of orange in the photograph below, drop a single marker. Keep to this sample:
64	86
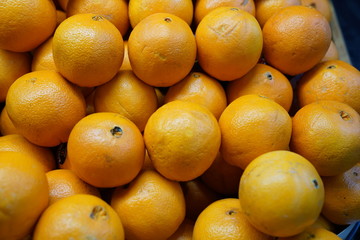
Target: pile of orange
178	119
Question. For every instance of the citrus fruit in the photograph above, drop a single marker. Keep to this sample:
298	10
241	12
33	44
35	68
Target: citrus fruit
266	8
12	66
140	9
330	80
116	11
263	80
64	183
127	95
199	88
182	139
26	24
250	126
203	7
229	43
81	216
225	219
43	57
327	133
323	6
88	49
296	38
106	149
151	207
332	53
44	107
281	193
162	49
184	231
342	200
17	143
222	177
24	194
6	125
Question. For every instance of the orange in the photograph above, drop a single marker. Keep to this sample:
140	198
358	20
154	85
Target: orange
44	107
12	66
197	197
90	108
323	6
225	219
327	133
342	197
88	49
203	7
23	196
281	193
222	177
332	53
229	43
162	49
296	38
26	24
250	126
322	222
6	125
266	8
64	183
140	9
151	207
199	88
314	234
116	11
60	16
184	232
80	216
106	150
263	80
127	95
331	80
182	139
17	143
126	62
43	58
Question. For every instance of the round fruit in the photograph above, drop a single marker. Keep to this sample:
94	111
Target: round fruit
80	216
162	49
151	207
229	43
182	139
88	49
106	150
296	38
327	133
281	193
44	107
24	194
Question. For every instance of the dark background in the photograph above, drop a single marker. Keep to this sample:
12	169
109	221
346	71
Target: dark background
348	15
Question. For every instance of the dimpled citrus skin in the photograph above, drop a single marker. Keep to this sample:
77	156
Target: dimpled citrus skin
296	38
24	194
81	216
26	24
44	107
151	207
88	49
182	139
331	80
162	49
229	42
281	193
325	123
